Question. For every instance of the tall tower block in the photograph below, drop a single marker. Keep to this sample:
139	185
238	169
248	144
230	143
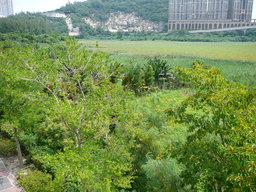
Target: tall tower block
209	14
6	8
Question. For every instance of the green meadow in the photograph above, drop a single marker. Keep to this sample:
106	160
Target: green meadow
242	51
237	60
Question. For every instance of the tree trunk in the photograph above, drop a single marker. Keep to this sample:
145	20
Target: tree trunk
218	187
78	137
18	148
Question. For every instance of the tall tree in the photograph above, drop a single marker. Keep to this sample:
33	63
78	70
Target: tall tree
219	153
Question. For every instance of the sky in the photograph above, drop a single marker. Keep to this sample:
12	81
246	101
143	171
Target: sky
48	5
39	5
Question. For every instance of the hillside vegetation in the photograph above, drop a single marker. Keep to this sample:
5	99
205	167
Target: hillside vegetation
100	11
153	10
32	24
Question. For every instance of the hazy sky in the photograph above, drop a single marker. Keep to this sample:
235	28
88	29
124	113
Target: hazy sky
47	5
38	5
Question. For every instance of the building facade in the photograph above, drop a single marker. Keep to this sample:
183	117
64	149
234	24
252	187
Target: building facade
209	14
6	8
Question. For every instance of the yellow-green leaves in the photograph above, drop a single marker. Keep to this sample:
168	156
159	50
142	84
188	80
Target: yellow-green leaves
221	117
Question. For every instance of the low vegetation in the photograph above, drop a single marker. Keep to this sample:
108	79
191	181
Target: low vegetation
214	50
7	147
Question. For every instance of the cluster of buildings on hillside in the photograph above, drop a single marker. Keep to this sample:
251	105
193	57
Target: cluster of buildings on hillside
188	15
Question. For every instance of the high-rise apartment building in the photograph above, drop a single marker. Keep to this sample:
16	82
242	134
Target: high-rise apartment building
209	14
6	8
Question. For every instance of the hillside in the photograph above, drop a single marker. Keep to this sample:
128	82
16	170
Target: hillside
33	24
112	14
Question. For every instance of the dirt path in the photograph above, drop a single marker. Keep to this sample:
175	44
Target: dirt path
7	179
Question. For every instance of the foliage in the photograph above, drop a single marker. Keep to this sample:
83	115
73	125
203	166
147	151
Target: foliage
219	153
163	175
134	78
75	104
236	60
161	71
80	170
85	131
7	147
181	36
32	24
156	73
35	181
38	40
155	133
100	10
232	36
153	10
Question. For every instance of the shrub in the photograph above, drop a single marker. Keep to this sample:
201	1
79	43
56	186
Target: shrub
35	181
7	147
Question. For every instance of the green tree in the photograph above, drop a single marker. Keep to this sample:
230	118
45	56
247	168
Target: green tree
219	153
83	119
13	101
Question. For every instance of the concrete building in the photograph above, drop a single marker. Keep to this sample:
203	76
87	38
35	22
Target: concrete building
6	8
55	14
209	14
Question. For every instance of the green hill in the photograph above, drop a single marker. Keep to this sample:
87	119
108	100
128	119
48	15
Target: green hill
153	10
100	10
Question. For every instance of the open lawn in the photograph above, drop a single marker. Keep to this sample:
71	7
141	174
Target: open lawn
242	51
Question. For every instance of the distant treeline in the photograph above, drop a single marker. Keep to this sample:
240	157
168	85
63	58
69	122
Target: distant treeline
233	36
26	38
32	24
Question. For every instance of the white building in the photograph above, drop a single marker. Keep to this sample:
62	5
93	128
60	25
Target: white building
55	14
6	8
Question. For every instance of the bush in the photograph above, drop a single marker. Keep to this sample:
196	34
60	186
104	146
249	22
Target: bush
156	74
7	147
35	181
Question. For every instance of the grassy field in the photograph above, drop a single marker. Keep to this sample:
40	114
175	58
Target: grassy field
242	51
236	60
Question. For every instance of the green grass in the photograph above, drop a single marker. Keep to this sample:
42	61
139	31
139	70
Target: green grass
241	51
236	60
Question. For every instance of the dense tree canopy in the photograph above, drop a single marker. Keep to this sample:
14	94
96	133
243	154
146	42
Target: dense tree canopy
75	116
32	23
219	153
